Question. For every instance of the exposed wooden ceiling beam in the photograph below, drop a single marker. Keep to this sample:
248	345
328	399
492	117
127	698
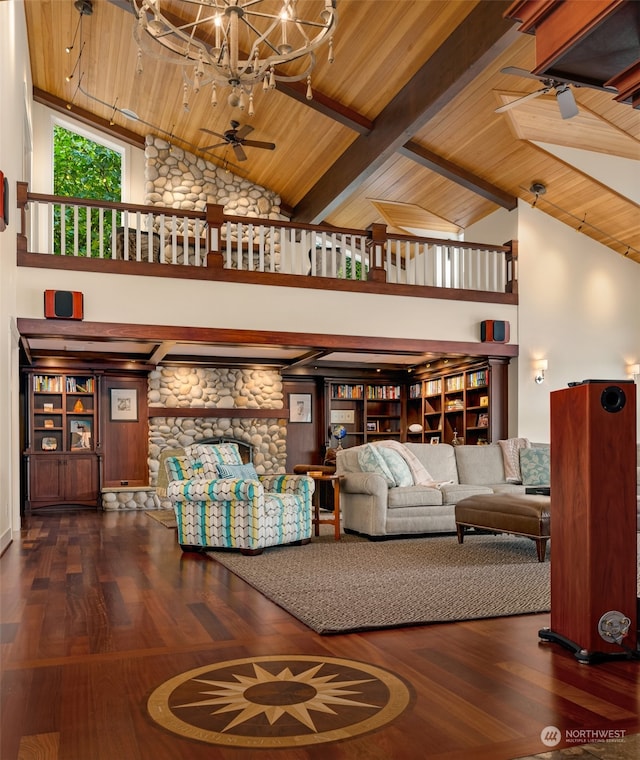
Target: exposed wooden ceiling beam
86	117
457	174
481	37
111	331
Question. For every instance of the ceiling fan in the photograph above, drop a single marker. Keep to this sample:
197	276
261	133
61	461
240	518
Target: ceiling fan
236	138
564	95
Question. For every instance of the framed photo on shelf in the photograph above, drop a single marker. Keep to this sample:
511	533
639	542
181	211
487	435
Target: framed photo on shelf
434	439
49	444
483	420
124	405
47	407
372	427
484	400
300	407
80	434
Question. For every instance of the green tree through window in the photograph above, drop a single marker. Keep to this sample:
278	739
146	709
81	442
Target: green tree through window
83	168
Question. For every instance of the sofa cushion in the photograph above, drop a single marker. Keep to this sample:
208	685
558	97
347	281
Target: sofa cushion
480	465
452	493
398	468
213	454
511	455
241	471
535	466
439	461
414	496
370	460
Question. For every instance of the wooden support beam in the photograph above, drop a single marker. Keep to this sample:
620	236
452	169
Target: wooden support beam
458	175
481	37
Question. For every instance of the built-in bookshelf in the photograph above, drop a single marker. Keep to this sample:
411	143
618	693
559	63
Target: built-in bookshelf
62	439
446	405
367	411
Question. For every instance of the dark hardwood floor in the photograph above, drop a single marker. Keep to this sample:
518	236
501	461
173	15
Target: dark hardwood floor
99	609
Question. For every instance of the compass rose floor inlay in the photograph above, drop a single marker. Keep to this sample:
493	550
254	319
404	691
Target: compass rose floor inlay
279	701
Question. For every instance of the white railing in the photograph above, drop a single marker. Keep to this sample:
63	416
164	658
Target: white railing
73	227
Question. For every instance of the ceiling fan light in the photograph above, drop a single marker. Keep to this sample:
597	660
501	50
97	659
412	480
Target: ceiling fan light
566	102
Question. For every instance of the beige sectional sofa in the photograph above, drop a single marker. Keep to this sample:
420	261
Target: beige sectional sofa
370	505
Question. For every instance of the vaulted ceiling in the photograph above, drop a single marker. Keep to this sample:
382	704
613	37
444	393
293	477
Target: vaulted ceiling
402	128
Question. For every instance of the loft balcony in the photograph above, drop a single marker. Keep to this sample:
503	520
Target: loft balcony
89	235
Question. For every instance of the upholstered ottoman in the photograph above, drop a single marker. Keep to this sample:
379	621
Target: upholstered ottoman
520	514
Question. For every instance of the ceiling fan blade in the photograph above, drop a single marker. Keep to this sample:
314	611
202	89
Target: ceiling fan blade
259	144
519	101
566	103
240	154
520	72
243	131
211	147
211	132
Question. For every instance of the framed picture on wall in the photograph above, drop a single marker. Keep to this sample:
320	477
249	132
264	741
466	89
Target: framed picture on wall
124	405
300	407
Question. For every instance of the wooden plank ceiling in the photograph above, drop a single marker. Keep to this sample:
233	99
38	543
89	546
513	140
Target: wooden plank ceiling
405	115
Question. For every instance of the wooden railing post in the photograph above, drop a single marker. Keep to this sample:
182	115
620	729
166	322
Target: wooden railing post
511	261
22	190
215	220
376	244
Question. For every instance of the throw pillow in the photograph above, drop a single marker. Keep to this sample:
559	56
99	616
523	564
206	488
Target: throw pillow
238	471
511	458
371	460
399	469
213	454
178	468
535	464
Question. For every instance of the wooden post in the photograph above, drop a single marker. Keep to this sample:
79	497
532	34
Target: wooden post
511	259
215	220
376	242
22	193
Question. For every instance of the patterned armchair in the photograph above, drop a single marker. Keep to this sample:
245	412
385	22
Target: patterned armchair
220	502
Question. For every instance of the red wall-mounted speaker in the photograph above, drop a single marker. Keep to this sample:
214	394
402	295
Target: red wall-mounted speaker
63	304
494	331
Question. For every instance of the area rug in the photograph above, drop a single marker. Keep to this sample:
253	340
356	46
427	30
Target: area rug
356	585
166	517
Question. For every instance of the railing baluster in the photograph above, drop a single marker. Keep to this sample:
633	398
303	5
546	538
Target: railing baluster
88	231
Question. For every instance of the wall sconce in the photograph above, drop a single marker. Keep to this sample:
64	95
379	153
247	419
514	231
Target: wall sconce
540	366
634	371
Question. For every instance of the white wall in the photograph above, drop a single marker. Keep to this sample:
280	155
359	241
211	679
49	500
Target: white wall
579	309
14	154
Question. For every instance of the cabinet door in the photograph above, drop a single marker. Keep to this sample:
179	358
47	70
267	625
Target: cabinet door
81	478
46	478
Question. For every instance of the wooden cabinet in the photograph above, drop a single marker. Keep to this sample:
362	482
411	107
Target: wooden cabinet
63	479
62	444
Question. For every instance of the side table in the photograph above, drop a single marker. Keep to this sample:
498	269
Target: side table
334	519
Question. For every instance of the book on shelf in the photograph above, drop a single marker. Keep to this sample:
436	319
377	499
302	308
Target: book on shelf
345	391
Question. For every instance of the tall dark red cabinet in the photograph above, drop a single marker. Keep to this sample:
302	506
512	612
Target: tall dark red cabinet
593	522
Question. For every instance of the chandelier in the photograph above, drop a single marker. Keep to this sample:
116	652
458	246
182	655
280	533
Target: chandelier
235	43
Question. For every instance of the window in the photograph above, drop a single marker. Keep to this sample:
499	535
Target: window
82	168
